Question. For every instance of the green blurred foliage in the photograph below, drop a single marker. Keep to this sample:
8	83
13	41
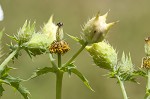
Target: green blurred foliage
127	35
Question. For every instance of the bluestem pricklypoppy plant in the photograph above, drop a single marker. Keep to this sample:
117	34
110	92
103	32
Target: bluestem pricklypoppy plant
50	40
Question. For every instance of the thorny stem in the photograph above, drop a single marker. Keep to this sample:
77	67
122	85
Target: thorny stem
122	88
75	55
5	62
147	96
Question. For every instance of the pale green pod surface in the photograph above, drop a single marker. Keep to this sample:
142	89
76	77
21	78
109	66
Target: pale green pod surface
103	55
39	43
39	40
50	29
96	29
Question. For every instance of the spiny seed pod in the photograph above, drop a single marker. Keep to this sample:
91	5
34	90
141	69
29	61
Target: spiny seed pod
147	46
60	47
96	28
103	55
125	65
146	62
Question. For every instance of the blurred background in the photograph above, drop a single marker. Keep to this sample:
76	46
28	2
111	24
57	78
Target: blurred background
128	36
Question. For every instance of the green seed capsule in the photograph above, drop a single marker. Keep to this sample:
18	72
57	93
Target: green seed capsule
103	55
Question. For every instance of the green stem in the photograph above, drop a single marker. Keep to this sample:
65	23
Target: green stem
122	88
59	60
148	80
75	55
59	77
147	96
5	62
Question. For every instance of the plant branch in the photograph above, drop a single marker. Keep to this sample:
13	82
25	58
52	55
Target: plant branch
122	88
59	77
147	95
75	55
5	62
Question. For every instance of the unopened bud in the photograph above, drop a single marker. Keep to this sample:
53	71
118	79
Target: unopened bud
96	28
103	55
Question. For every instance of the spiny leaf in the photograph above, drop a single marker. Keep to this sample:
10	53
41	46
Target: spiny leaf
42	71
15	82
147	95
79	74
68	68
1	90
13	37
128	77
140	72
22	90
81	41
5	71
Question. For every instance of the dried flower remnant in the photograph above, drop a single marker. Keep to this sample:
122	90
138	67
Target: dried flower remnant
146	62
59	46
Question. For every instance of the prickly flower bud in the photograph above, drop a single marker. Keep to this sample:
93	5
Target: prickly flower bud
147	46
125	65
103	55
96	28
26	32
